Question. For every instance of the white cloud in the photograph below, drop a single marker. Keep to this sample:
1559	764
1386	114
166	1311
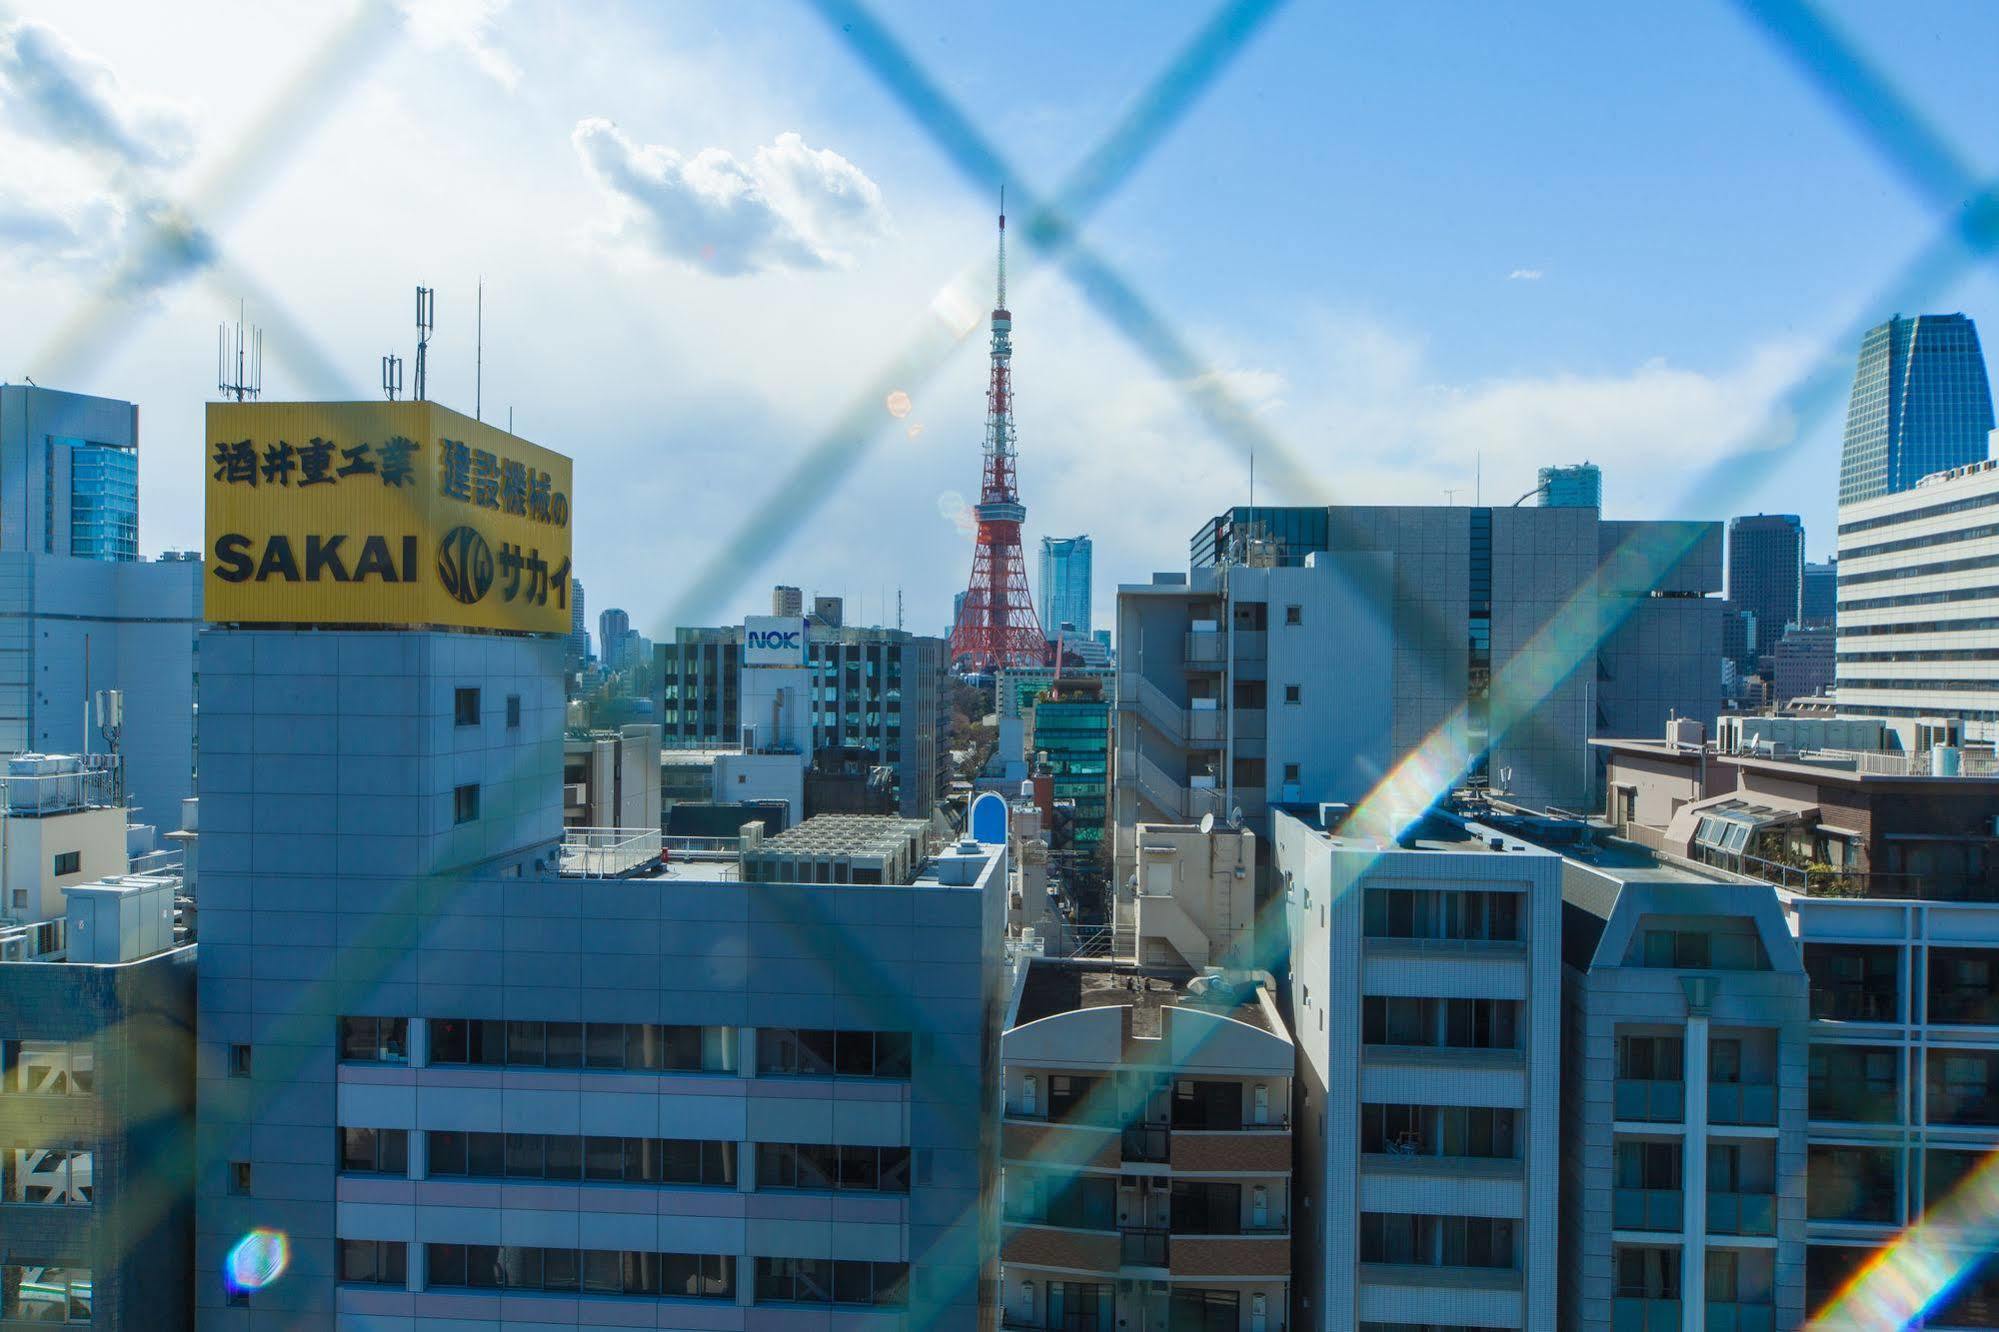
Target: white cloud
464	26
83	232
790	206
73	100
1525	275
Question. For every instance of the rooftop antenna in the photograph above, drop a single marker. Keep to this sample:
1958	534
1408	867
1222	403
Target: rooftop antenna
392	376
1451	494
479	352
246	348
426	320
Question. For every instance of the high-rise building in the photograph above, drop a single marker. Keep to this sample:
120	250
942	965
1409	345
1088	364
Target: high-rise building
786	601
1766	574
79	611
1801	665
1821	594
1579	486
1328	645
754	1087
97	1002
1065	584
1425	987
1921	403
1917	628
579	628
877	698
612	626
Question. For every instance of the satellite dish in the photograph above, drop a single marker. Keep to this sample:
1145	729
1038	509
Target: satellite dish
1235	817
1207	824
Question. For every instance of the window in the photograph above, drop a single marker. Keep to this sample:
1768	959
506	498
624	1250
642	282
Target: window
1413	913
1648	1274
239	1061
1291	693
239	1178
633	1046
708	1162
48	1068
1204	1208
465	707
48	1175
1290	773
374	1262
368	1151
1855	1083
1651	1058
1472	1024
694	1276
783	1165
1428	1130
33	1293
1205	1104
465	803
831	1281
1189	1309
375	1040
68	862
1852	1183
789	1051
513	712
1436	1241
1294	615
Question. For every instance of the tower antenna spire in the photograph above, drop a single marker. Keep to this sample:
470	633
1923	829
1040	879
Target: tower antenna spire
1002	249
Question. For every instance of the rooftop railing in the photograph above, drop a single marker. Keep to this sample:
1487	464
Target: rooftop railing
608	853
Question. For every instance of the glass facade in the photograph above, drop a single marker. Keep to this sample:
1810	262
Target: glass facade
1921	404
103	501
1766	576
1577	487
1297	532
1075	735
1065	584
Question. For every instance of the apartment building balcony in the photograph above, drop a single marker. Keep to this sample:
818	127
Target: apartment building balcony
1630	1313
1737	1316
1205	650
1742	1104
1741	1214
1042	1142
1060	1246
1250	1254
1647	1209
1255	1148
1649	1101
1146	1248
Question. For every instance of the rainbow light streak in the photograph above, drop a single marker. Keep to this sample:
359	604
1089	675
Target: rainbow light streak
258	1259
1908	1277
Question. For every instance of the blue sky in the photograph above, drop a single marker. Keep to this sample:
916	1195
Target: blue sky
1411	239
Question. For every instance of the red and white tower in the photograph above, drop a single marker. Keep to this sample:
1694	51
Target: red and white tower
996	625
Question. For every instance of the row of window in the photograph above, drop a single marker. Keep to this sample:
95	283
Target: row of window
626	1272
1090	1202
1187	1103
1437	1241
47	1175
781	1051
48	1068
696	1161
37	1293
1472	1024
1862	983
1439	1130
465	708
1859	1084
1407	913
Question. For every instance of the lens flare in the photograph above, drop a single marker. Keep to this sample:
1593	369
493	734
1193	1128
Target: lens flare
915	429
1915	1273
258	1259
898	404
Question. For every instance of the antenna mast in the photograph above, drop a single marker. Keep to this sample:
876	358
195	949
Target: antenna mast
246	348
392	376
426	320
479	353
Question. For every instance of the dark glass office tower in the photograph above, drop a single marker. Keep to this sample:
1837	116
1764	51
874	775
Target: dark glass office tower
1921	404
1766	575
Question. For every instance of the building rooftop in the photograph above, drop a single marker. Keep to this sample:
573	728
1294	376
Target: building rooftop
1842	766
847	835
1363	831
1054	987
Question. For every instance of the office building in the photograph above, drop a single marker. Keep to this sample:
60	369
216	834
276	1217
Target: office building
474	1070
1308	651
1766	576
1802	664
1918	628
1425	982
1575	487
1921	404
1068	737
613	626
79	610
97	1002
1065	584
876	699
788	601
579	627
1147	1151
1821	593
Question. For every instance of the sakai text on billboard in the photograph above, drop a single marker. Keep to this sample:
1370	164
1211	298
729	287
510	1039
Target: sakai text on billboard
383	513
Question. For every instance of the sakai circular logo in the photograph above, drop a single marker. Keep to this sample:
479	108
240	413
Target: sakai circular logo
465	564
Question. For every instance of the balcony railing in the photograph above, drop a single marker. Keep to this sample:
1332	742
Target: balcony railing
1147	1143
1145	1248
1631	1313
1646	1209
1649	1100
607	853
1741	1214
1747	1103
1733	1316
1852	1005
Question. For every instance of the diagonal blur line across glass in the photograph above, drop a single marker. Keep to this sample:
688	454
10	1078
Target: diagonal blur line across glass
1049	225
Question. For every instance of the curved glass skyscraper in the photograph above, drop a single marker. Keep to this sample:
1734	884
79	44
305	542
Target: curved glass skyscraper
1921	404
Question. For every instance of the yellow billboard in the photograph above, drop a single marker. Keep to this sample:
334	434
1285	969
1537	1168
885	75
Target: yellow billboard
382	513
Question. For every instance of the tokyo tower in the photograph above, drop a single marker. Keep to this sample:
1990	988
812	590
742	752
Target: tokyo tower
996	625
